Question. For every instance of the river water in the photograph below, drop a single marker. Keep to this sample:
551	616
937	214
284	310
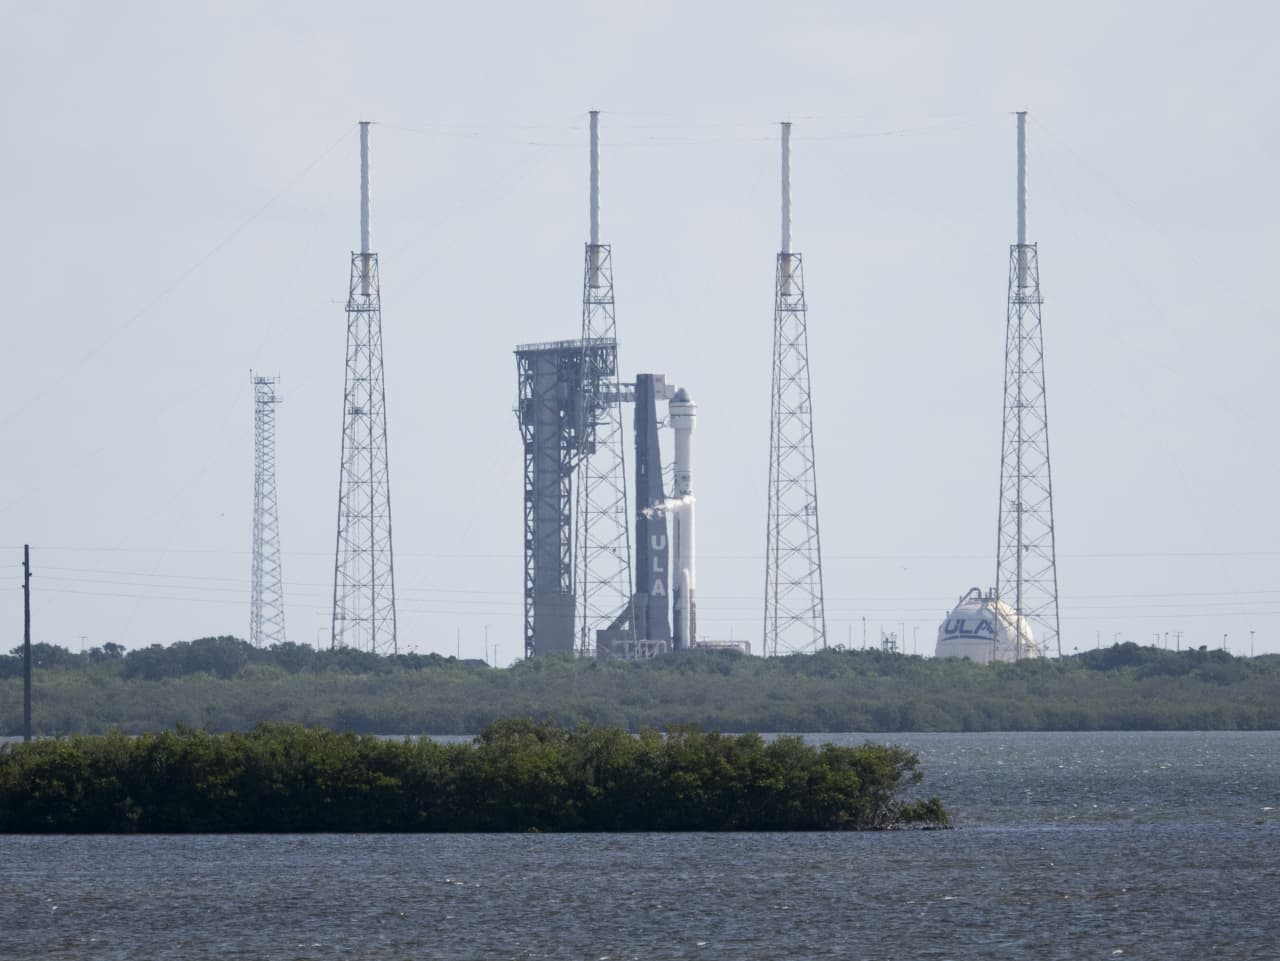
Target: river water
1114	846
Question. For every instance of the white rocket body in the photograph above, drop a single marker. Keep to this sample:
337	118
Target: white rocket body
683	413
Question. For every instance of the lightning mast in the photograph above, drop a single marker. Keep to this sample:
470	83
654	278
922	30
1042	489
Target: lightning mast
1026	565
794	618
266	606
603	548
364	593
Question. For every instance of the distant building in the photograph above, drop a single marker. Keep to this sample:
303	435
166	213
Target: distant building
985	629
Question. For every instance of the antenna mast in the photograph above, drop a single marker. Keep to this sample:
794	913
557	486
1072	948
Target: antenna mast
794	617
603	542
266	606
1026	564
364	593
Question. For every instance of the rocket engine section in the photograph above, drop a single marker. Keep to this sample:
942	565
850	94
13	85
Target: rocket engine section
683	413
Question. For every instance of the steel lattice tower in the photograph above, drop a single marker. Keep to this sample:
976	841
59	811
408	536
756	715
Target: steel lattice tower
603	545
1026	566
364	592
266	606
794	618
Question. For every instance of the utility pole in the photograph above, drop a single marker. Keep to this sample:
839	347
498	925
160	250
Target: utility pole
1251	644
1177	639
26	642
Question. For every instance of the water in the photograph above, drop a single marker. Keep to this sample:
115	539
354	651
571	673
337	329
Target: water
1068	846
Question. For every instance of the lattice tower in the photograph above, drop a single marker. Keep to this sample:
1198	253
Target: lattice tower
364	593
266	606
794	616
603	542
1026	565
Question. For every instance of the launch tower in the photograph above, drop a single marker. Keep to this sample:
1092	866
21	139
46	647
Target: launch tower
364	592
1026	566
266	606
794	618
549	415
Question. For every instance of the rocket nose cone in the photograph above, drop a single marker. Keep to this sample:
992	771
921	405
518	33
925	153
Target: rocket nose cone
681	396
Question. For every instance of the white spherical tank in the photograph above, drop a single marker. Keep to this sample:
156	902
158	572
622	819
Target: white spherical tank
985	629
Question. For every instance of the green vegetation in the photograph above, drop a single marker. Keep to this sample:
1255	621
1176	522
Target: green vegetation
516	776
223	684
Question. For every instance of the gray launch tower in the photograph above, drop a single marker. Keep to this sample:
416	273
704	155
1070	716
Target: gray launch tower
364	589
549	413
1026	562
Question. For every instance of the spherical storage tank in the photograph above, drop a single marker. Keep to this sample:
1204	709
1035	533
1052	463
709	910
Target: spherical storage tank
985	629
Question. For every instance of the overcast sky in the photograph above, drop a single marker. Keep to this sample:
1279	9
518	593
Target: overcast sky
181	200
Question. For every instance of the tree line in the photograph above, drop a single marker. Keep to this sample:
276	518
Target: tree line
225	684
518	775
223	657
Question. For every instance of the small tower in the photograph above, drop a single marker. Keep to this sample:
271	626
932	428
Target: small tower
1026	566
603	543
794	619
266	606
364	591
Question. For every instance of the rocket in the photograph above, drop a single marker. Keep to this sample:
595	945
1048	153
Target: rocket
683	413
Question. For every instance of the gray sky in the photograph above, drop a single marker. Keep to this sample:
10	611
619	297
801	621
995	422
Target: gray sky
182	198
